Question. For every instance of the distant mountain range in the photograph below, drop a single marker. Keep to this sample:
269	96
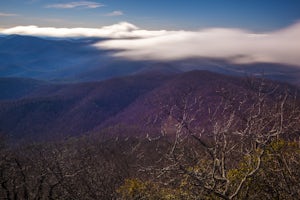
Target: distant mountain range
35	109
66	60
53	87
75	60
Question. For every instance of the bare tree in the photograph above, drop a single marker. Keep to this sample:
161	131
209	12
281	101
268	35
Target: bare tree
79	168
234	134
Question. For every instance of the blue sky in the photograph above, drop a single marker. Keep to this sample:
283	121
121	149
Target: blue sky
257	15
242	31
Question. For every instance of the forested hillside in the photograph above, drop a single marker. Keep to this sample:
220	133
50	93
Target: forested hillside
196	135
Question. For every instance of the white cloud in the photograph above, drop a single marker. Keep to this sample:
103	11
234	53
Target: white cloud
115	13
2	14
120	30
236	45
32	1
76	4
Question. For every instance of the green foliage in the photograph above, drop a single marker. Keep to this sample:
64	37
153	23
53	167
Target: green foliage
278	176
138	189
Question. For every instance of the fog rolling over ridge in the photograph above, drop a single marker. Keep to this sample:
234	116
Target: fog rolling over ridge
236	45
80	54
233	44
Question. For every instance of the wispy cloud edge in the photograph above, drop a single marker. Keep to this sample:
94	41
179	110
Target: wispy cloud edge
76	4
3	14
115	13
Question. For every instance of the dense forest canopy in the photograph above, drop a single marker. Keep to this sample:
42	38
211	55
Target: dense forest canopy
226	144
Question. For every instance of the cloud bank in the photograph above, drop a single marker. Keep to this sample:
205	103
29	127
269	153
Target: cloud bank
76	4
235	45
121	30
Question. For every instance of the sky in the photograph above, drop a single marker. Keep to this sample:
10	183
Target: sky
256	15
241	31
